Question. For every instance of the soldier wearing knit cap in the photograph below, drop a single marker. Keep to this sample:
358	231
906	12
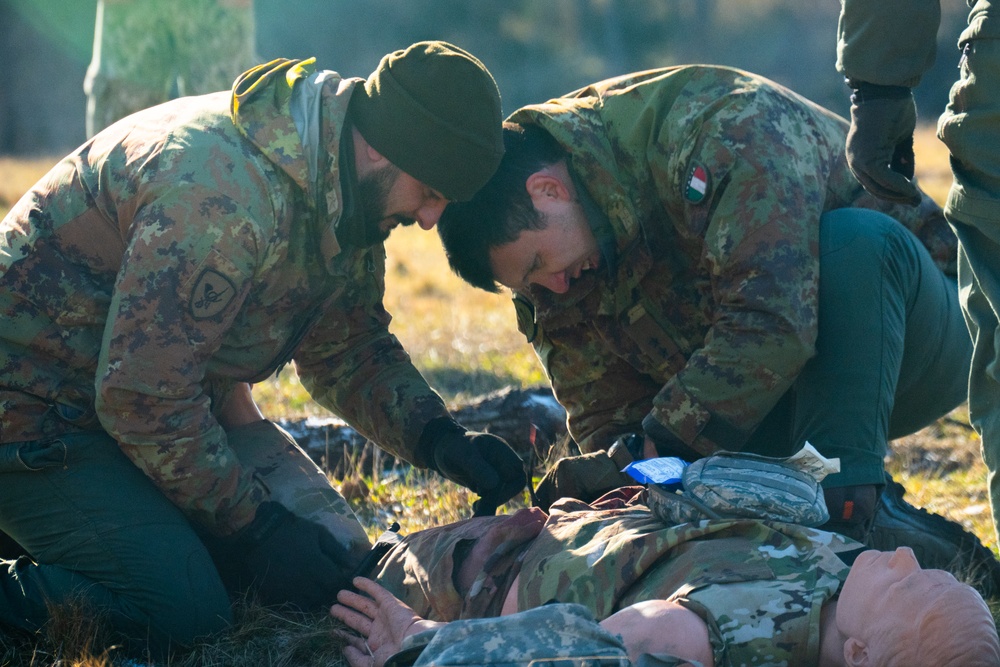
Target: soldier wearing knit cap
187	251
433	131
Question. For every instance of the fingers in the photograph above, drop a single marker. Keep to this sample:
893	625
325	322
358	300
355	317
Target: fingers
356	621
903	161
333	549
377	592
507	467
484	507
887	184
359	611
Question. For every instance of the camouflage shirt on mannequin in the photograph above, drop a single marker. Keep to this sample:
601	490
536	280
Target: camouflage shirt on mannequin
759	586
185	250
704	186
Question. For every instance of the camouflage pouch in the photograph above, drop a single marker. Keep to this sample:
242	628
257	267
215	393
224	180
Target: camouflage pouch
738	485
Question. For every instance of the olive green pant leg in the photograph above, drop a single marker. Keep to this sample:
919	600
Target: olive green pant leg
100	532
979	281
892	351
296	482
971	130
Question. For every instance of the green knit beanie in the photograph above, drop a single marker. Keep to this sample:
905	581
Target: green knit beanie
433	110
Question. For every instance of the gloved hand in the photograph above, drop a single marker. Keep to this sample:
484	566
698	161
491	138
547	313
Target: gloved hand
880	141
586	477
292	560
483	463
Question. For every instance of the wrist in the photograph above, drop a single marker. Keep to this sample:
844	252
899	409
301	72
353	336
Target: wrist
864	91
421	625
434	430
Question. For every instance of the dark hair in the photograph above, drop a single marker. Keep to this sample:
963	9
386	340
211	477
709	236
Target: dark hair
501	210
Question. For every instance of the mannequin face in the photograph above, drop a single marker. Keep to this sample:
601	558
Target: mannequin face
888	594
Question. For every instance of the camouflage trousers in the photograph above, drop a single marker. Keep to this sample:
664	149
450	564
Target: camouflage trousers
148	51
101	534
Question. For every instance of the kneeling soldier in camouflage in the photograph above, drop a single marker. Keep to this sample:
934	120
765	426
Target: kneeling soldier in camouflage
186	251
694	263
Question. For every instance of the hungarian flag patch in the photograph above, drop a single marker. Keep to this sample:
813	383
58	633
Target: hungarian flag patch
697	184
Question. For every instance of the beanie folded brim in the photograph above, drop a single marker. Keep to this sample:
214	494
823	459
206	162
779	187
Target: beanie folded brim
434	111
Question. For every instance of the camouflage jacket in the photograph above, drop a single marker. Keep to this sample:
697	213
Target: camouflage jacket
881	42
711	182
184	249
750	581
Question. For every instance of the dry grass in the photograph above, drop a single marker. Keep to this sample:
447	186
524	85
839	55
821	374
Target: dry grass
17	176
465	342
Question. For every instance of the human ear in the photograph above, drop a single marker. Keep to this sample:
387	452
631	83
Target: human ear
855	653
545	186
373	155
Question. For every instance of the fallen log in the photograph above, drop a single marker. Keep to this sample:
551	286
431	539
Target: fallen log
529	419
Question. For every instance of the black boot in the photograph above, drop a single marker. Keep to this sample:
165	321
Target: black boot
937	542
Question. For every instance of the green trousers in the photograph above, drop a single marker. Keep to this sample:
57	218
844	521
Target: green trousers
100	533
971	130
892	351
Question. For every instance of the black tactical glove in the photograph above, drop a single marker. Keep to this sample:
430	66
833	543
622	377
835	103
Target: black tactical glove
880	141
292	560
481	462
586	477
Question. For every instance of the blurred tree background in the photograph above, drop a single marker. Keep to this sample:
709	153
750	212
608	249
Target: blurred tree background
536	49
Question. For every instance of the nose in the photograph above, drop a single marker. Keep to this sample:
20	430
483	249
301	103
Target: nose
555	282
904	558
430	213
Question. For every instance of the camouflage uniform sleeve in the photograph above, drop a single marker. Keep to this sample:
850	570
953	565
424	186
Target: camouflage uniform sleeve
185	272
759	221
351	364
887	42
551	634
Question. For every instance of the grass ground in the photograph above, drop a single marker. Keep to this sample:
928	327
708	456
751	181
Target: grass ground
465	343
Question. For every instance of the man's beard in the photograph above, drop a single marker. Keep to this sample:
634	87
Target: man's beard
373	192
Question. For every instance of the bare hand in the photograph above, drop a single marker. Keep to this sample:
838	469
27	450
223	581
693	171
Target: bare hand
382	620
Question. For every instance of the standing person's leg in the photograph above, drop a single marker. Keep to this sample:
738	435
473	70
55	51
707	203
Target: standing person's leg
100	533
979	277
970	129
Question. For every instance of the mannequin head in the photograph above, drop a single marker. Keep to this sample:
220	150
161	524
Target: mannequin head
893	612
